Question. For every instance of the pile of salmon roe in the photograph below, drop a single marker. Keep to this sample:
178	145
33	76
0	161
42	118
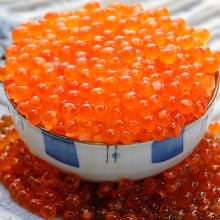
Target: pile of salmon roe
188	191
117	74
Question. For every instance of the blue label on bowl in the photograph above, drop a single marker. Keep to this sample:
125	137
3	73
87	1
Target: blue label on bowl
61	149
167	149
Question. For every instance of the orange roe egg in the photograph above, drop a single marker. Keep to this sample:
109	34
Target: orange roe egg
202	33
51	16
214	127
70	72
151	51
35	28
85	33
168	54
216	54
128	54
34	116
63	33
96	95
72	21
111	23
173	130
22	92
199	109
89	6
164	21
186	106
211	65
85	21
162	11
130	99
159	37
163	117
110	136
108	53
186	42
49	119
97	14
48	211
133	23
19	33
23	107
12	51
125	82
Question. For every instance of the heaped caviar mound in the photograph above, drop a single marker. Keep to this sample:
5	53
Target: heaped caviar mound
117	74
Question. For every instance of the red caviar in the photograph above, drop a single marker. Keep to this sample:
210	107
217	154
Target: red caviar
140	56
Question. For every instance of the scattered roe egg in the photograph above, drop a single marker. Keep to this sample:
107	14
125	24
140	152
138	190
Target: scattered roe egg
90	55
44	190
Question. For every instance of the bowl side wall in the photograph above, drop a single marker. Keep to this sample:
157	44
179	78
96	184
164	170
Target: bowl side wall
94	162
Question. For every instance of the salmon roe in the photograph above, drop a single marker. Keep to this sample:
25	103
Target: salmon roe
115	57
188	190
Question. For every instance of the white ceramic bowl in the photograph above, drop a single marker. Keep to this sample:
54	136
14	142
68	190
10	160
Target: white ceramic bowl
95	162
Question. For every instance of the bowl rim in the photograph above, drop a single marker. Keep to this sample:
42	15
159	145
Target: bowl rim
211	101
